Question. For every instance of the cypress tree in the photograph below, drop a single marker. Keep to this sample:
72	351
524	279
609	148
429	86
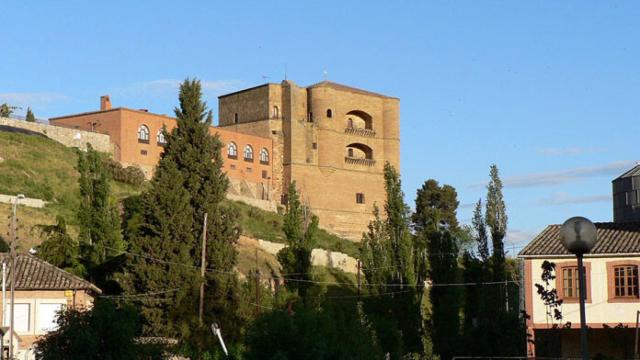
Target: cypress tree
100	234
30	117
59	249
299	227
435	222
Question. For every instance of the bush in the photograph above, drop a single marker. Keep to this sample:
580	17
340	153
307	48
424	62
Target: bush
130	175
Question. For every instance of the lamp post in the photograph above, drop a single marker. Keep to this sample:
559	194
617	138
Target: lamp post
578	235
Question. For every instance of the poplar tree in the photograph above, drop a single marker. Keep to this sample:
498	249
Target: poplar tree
299	227
480	228
496	219
100	233
30	117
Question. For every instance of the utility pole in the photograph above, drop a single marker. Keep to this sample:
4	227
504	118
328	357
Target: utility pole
257	285
12	267
203	267
359	268
506	294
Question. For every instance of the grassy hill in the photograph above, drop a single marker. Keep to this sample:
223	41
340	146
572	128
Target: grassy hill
39	167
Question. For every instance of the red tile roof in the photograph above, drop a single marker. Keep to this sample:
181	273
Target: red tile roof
613	239
33	273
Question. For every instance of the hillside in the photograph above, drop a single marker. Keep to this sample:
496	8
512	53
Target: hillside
38	167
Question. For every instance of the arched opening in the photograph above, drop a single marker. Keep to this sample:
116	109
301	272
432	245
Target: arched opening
275	112
160	137
264	156
359	151
329	113
357	119
232	150
143	134
248	153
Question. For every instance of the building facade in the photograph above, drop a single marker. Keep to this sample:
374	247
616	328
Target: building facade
612	286
332	140
138	140
41	290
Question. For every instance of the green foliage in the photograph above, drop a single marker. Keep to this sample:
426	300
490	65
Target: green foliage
5	110
59	249
331	333
104	332
496	220
100	236
300	227
387	254
436	225
132	175
30	117
4	246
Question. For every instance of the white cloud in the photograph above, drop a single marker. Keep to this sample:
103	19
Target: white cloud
24	99
567	175
170	87
562	198
516	240
568	151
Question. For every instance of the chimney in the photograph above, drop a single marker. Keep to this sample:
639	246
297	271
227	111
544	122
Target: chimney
105	103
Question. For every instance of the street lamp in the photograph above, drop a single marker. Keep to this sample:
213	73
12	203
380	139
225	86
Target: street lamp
578	235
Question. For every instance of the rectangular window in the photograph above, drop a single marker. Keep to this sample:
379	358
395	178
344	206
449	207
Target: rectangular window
232	166
47	315
360	198
265	174
143	152
314	146
570	282
625	279
249	170
21	317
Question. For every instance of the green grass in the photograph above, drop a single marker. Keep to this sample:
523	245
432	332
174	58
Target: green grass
39	167
265	225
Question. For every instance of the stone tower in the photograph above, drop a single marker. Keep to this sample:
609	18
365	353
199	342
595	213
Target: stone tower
333	140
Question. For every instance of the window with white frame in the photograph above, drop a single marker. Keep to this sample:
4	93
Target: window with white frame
232	150
47	315
21	317
160	137
143	134
248	153
264	156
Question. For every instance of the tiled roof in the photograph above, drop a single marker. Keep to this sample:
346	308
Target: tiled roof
613	238
634	171
337	86
36	274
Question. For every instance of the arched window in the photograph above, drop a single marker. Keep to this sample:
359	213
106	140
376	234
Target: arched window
248	153
358	119
264	156
235	118
276	112
160	137
143	134
329	113
359	151
232	150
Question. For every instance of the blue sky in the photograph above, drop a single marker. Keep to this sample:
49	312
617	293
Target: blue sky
546	90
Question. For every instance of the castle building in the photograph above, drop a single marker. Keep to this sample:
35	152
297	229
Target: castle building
138	140
332	140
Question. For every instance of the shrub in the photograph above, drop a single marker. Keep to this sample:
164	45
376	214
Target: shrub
130	175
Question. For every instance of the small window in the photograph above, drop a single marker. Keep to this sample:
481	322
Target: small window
314	146
160	137
360	198
249	170
310	117
350	123
625	279
264	156
143	134
143	152
276	112
265	174
235	118
350	152
570	283
248	153
273	132
232	150
232	166
329	113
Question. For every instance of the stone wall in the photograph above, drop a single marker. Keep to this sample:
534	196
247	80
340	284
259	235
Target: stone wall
65	136
30	202
319	257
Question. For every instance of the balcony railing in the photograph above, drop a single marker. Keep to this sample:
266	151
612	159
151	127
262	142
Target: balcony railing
359	131
359	161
